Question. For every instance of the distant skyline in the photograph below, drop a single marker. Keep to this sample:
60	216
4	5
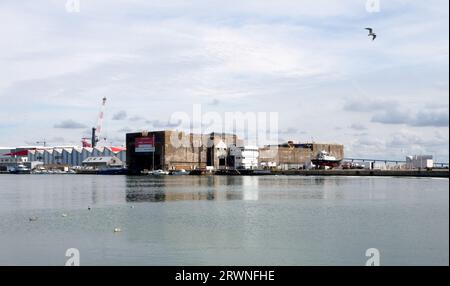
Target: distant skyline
310	61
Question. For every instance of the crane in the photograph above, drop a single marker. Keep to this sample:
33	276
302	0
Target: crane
85	142
96	131
42	142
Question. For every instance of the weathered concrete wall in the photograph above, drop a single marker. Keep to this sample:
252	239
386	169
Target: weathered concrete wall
190	155
298	155
193	153
178	150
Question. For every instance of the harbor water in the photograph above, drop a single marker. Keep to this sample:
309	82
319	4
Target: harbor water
220	220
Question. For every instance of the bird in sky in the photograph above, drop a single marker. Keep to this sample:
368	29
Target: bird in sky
371	33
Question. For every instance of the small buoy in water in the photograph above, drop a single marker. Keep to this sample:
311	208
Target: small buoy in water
117	229
64	215
33	218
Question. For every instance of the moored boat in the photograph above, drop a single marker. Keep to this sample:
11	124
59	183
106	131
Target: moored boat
20	169
112	171
179	172
158	173
324	159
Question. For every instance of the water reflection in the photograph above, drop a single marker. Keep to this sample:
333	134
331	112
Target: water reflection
167	188
134	195
224	188
82	191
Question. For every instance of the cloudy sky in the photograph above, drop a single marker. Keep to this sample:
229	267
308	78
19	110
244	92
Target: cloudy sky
311	61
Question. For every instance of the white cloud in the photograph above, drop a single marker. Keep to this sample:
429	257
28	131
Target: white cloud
152	58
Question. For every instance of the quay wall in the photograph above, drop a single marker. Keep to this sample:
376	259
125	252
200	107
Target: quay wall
387	173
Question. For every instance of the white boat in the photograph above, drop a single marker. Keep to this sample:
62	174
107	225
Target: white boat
179	172
325	160
158	173
20	169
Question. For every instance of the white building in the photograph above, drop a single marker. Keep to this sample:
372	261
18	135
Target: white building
9	161
245	157
72	156
419	162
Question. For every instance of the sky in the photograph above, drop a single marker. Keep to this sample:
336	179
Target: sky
310	61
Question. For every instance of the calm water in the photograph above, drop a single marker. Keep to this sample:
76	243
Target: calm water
193	220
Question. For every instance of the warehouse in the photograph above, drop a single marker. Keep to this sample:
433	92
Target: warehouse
72	156
174	150
296	155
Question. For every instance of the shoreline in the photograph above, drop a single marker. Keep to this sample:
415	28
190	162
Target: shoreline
369	173
344	173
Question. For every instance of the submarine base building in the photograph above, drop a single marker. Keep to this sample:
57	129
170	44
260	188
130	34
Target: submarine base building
175	150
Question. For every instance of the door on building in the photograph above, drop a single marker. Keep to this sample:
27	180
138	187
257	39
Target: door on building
209	156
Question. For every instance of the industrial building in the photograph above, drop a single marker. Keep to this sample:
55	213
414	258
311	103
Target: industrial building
244	158
215	151
175	150
55	156
73	156
296	155
8	162
419	162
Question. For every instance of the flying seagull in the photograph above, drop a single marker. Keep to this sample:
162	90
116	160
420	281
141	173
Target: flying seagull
371	33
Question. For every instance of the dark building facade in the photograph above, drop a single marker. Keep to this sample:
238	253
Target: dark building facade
174	150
